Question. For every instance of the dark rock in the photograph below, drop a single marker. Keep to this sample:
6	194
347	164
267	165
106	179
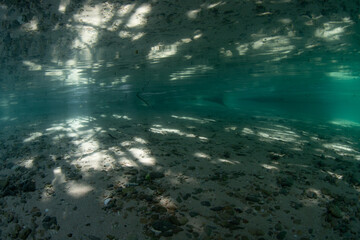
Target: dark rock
216	209
205	203
182	220
28	186
256	232
73	175
155	175
4	183
252	198
334	210
281	235
131	171
91	237
284	191
198	190
10	217
174	220
186	196
163	225
49	222
285	181
193	214
238	210
296	205
278	226
25	233
159	209
15	233
35	212
209	229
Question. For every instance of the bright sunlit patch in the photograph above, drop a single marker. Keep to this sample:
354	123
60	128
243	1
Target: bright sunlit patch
125	10
215	5
338	147
199	120
273	45
32	66
270	167
198	35
192	14
229	129
247	131
242	49
88	147
59	176
54	73
165	131
77	190
163	51
56	128
168	203
28	163
334	175
75	77
342	75
189	72
202	155
278	135
345	123
125	78
33	136
88	36
97	15
142	155
121	117
227	161
264	14
116	24
125	34
329	33
140	140
137	36
63	5
285	20
203	139
31	25
92	160
226	53
133	36
125	162
138	19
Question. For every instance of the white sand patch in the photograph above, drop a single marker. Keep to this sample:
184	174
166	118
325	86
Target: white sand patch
94	160
142	155
33	136
78	190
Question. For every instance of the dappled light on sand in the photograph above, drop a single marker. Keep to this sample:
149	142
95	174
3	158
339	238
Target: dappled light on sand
179	119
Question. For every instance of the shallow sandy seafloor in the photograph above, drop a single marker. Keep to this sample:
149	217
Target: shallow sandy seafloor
178	176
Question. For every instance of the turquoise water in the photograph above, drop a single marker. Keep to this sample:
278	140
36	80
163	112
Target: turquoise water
314	94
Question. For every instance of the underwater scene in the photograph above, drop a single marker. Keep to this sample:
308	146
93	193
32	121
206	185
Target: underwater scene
142	120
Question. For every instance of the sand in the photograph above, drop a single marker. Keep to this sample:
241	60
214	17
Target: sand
179	176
